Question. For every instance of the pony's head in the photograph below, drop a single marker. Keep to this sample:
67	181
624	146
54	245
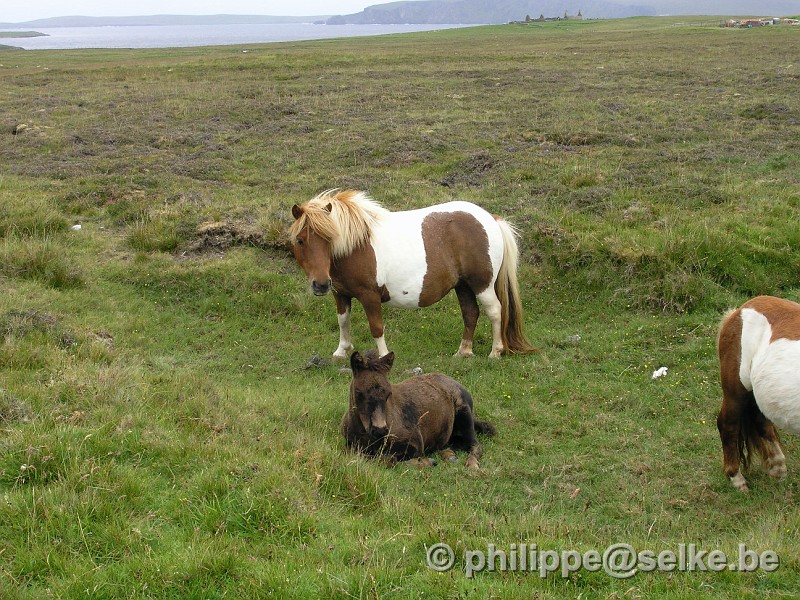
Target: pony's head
370	390
330	226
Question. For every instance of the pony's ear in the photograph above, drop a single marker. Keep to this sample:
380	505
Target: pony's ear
356	361
297	212
329	208
388	360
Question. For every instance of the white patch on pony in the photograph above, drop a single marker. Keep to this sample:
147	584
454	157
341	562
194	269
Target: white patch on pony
776	383
400	257
400	249
771	371
756	333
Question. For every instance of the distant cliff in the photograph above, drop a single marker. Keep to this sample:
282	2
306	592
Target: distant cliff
482	12
503	11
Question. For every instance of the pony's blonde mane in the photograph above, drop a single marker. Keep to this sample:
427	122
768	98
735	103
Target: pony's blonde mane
343	218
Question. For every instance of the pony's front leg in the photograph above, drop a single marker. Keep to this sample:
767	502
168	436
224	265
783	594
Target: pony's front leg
409	454
374	311
343	306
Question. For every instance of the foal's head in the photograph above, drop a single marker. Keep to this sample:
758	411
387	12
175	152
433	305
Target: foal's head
371	389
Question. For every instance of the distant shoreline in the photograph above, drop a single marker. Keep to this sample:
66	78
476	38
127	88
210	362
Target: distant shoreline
21	34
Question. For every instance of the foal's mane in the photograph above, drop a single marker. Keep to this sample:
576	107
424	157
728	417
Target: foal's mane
372	362
344	218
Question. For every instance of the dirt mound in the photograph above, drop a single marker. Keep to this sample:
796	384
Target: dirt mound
219	236
470	172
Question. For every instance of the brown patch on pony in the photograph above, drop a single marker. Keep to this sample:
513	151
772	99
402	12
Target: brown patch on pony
356	276
444	230
783	316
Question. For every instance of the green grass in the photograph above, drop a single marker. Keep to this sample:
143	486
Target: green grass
162	433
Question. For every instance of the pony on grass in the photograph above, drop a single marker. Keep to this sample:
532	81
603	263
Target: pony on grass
409	420
759	356
349	244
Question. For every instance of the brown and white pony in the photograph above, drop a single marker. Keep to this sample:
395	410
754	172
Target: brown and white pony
350	244
759	355
411	419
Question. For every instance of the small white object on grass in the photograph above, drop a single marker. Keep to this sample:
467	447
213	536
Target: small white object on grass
660	372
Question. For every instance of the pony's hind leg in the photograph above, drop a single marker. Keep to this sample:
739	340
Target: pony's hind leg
742	429
494	310
464	436
469	313
775	462
768	444
474	455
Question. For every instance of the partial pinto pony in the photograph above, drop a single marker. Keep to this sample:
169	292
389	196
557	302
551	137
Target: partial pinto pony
412	419
759	355
349	244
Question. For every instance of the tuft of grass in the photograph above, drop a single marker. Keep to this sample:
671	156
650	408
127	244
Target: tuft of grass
159	235
40	259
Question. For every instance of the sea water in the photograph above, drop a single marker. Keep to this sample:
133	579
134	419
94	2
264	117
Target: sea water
175	36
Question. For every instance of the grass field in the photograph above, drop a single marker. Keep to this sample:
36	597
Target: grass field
164	431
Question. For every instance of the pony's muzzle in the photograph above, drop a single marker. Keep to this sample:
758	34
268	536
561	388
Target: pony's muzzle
379	432
320	289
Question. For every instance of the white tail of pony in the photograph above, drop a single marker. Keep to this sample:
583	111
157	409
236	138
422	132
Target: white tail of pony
507	289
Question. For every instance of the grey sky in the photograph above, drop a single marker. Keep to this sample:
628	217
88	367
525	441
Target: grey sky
27	10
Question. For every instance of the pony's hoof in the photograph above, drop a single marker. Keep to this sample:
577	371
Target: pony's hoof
740	483
448	455
778	471
342	353
472	463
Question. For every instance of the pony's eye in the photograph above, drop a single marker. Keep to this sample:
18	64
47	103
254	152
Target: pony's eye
299	242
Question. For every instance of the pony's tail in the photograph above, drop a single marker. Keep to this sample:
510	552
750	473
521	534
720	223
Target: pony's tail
751	434
485	428
507	289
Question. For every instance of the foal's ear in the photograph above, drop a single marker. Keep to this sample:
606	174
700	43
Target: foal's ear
388	360
297	212
356	361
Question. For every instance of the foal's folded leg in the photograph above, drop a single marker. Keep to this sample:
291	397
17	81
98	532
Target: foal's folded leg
448	455
422	462
474	454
